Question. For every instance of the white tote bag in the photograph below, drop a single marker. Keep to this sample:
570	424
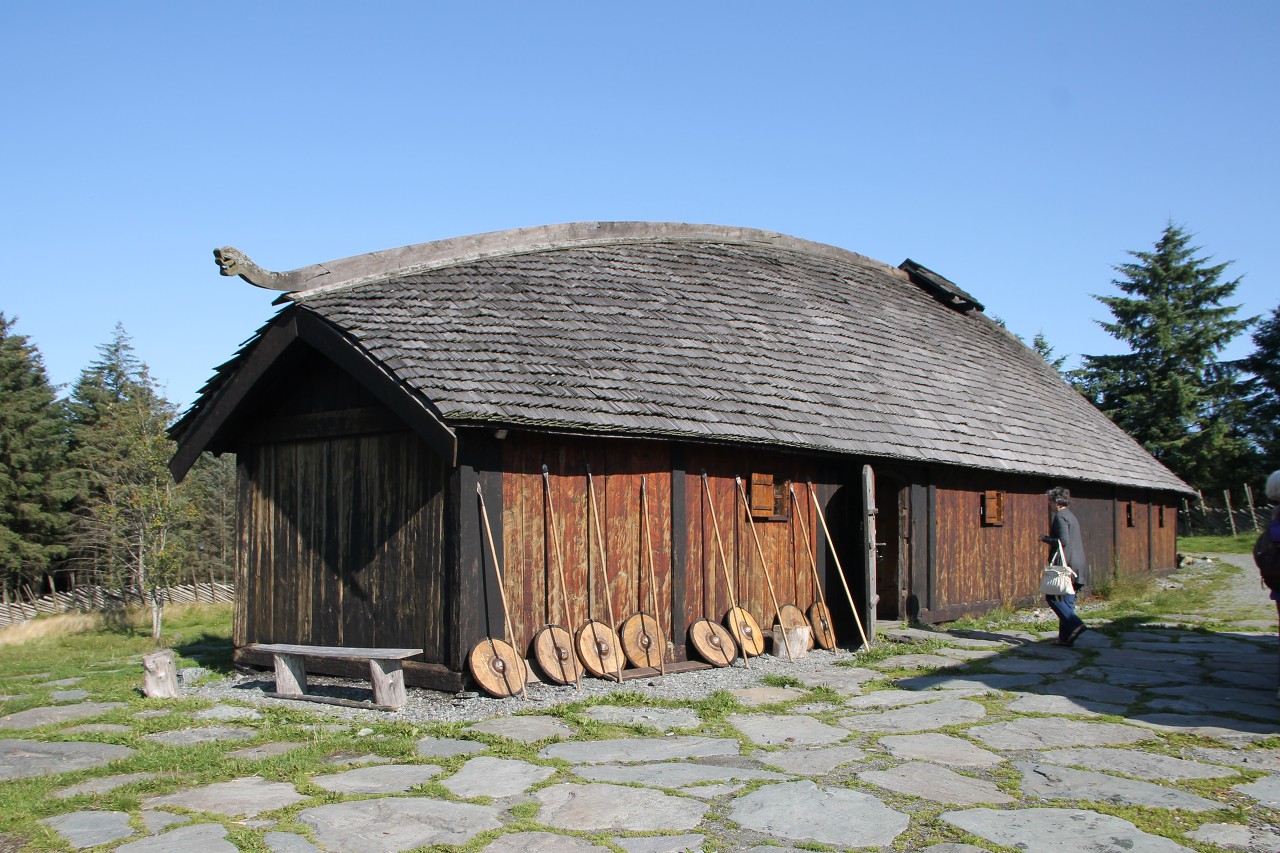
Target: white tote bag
1056	577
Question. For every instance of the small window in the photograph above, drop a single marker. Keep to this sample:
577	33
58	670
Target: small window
1128	514
1160	515
769	498
992	509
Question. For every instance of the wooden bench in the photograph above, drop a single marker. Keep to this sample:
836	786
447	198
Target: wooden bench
385	671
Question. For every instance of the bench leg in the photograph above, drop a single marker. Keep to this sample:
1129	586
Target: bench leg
291	675
388	683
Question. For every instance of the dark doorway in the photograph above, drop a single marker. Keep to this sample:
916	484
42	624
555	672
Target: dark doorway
845	516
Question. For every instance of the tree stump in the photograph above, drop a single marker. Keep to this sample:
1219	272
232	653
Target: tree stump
160	674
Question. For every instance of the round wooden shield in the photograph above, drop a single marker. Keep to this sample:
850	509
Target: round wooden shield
497	668
553	650
793	617
598	648
745	630
640	641
712	642
820	618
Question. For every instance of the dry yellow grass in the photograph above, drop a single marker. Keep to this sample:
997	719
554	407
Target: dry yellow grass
49	626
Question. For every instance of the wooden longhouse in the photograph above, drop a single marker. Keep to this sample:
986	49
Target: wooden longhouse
365	414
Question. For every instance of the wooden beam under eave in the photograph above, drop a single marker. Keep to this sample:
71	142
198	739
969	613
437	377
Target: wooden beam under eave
215	414
420	415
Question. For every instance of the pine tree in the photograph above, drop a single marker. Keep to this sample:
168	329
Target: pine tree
127	505
34	491
1262	421
1170	391
1041	345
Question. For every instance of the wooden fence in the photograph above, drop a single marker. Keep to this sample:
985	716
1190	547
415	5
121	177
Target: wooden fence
97	599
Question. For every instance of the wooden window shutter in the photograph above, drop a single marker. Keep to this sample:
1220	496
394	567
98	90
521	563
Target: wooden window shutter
762	495
993	507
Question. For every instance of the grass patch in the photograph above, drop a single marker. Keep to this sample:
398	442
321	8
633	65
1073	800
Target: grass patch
1242	544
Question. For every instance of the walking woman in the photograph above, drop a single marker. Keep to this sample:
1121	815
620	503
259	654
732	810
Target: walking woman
1065	531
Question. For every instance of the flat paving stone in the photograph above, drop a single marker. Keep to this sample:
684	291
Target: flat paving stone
1052	782
524	729
392	824
1049	732
1044	830
784	729
1084	690
893	699
1233	836
156	820
64	682
1133	659
937	784
485	776
953	847
971	654
755	696
639	749
97	728
207	734
1266	791
265	750
90	828
1219	728
658	718
205	837
845	680
228	712
21	759
803	811
1034	703
597	807
942	749
1130	762
916	718
1250	759
678	775
350	758
1038	666
247	797
448	747
103	784
288	842
970	681
662	843
379	779
916	661
1135	677
69	695
541	842
811	761
49	715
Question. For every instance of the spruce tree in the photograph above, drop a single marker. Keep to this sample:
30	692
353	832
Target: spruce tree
128	506
1041	345
1170	391
33	489
1262	419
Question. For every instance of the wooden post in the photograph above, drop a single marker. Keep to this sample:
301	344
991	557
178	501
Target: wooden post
388	683
1186	510
160	674
1253	512
291	674
1231	516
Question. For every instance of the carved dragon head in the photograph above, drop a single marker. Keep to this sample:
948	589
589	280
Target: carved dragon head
231	261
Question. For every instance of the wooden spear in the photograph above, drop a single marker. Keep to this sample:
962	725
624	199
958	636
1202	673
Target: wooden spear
715	525
813	564
839	569
604	572
764	568
653	575
564	589
506	611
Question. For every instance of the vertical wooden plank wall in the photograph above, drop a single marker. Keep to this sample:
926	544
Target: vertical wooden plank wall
532	582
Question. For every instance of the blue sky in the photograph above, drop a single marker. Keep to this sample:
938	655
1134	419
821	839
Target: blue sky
1018	148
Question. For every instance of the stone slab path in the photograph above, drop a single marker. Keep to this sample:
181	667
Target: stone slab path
980	741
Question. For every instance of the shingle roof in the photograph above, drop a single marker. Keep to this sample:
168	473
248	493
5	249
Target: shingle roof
688	335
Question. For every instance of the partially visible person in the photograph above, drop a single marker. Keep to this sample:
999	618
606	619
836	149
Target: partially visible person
1064	530
1273	494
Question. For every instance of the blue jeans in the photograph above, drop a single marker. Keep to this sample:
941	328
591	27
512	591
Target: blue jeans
1068	621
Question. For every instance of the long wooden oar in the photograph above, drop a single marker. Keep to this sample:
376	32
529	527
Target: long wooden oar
604	572
653	575
506	611
839	569
564	588
813	564
764	567
715	525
